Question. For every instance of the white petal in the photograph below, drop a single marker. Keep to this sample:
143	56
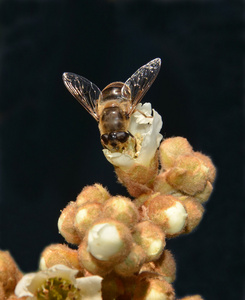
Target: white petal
118	159
176	216
21	289
90	287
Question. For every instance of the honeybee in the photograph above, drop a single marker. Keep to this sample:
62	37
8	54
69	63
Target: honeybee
113	106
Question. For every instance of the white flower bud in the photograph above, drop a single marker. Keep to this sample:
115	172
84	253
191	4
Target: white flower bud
104	241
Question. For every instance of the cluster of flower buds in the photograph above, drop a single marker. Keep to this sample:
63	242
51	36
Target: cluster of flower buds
123	240
115	243
120	243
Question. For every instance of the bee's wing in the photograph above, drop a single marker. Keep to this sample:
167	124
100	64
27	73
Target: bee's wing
85	92
139	83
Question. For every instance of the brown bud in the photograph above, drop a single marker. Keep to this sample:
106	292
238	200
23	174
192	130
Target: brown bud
132	263
90	263
138	179
93	193
86	214
56	254
9	274
209	164
168	213
151	238
164	266
66	224
171	148
195	212
162	186
150	286
189	175
122	209
205	194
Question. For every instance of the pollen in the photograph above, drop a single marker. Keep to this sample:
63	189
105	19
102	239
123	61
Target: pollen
57	288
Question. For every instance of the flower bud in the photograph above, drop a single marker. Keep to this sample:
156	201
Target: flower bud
168	213
171	148
138	178
150	286
85	216
66	224
9	274
93	193
209	164
121	209
205	194
90	263
109	240
164	266
132	263
58	254
162	186
195	212
189	175
151	238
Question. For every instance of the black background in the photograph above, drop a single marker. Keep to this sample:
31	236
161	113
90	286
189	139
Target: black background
50	146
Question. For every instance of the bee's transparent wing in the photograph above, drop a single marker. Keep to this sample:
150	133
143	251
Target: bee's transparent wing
85	92
139	83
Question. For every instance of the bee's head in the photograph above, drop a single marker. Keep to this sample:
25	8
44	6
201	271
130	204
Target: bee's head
115	141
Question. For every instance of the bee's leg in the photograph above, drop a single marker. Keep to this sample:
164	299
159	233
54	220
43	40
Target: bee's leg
143	114
135	142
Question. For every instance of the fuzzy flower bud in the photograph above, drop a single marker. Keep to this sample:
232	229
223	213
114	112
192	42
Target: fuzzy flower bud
92	193
121	209
205	194
9	274
90	263
209	164
66	224
168	213
189	175
109	240
162	186
58	254
133	262
85	216
150	286
151	238
164	266
171	148
138	179
195	212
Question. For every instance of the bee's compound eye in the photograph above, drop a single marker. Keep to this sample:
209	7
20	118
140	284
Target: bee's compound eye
122	136
112	136
105	138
